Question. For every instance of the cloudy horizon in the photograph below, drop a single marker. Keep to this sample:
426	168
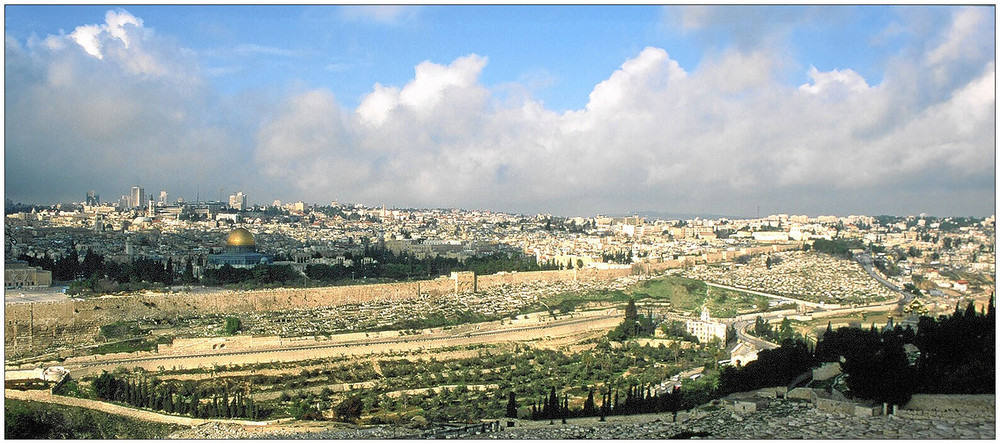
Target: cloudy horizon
564	110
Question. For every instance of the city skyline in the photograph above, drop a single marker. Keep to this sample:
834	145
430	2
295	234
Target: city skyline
526	109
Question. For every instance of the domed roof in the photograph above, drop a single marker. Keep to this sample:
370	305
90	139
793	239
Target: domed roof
240	237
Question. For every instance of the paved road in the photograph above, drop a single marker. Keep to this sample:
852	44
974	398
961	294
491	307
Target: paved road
741	333
866	262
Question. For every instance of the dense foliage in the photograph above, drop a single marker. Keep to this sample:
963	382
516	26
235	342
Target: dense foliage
837	247
233	325
956	355
95	274
763	329
34	420
772	368
173	397
633	326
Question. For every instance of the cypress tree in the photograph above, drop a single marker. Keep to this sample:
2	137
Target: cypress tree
128	392
552	404
970	311
193	404
511	405
588	405
604	404
169	272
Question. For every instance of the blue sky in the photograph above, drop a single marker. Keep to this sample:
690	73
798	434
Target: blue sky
571	47
566	109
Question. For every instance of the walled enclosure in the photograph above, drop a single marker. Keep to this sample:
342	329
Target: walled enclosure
36	325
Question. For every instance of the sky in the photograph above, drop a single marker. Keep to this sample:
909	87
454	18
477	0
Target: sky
570	110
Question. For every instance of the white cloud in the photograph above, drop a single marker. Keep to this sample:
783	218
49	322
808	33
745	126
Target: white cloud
722	137
427	89
651	135
835	81
87	38
107	106
116	22
93	37
383	14
962	28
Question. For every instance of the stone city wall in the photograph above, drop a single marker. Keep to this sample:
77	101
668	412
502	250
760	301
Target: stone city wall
709	258
38	325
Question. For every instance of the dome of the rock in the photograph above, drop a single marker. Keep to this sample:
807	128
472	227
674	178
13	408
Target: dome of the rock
240	237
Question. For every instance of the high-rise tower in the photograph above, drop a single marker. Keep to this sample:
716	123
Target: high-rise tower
93	199
238	201
137	196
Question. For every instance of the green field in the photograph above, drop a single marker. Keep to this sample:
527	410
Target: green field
688	295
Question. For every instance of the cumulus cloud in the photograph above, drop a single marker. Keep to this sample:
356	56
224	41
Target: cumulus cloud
654	135
846	81
724	136
108	106
428	88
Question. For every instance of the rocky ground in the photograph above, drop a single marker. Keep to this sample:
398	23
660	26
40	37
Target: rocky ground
781	419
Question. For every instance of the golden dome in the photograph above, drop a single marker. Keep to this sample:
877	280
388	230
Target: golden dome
240	237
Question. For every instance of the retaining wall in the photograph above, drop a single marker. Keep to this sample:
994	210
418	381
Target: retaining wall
954	403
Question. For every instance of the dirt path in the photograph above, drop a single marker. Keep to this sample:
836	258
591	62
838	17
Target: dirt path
142	415
439	388
316	389
537	332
